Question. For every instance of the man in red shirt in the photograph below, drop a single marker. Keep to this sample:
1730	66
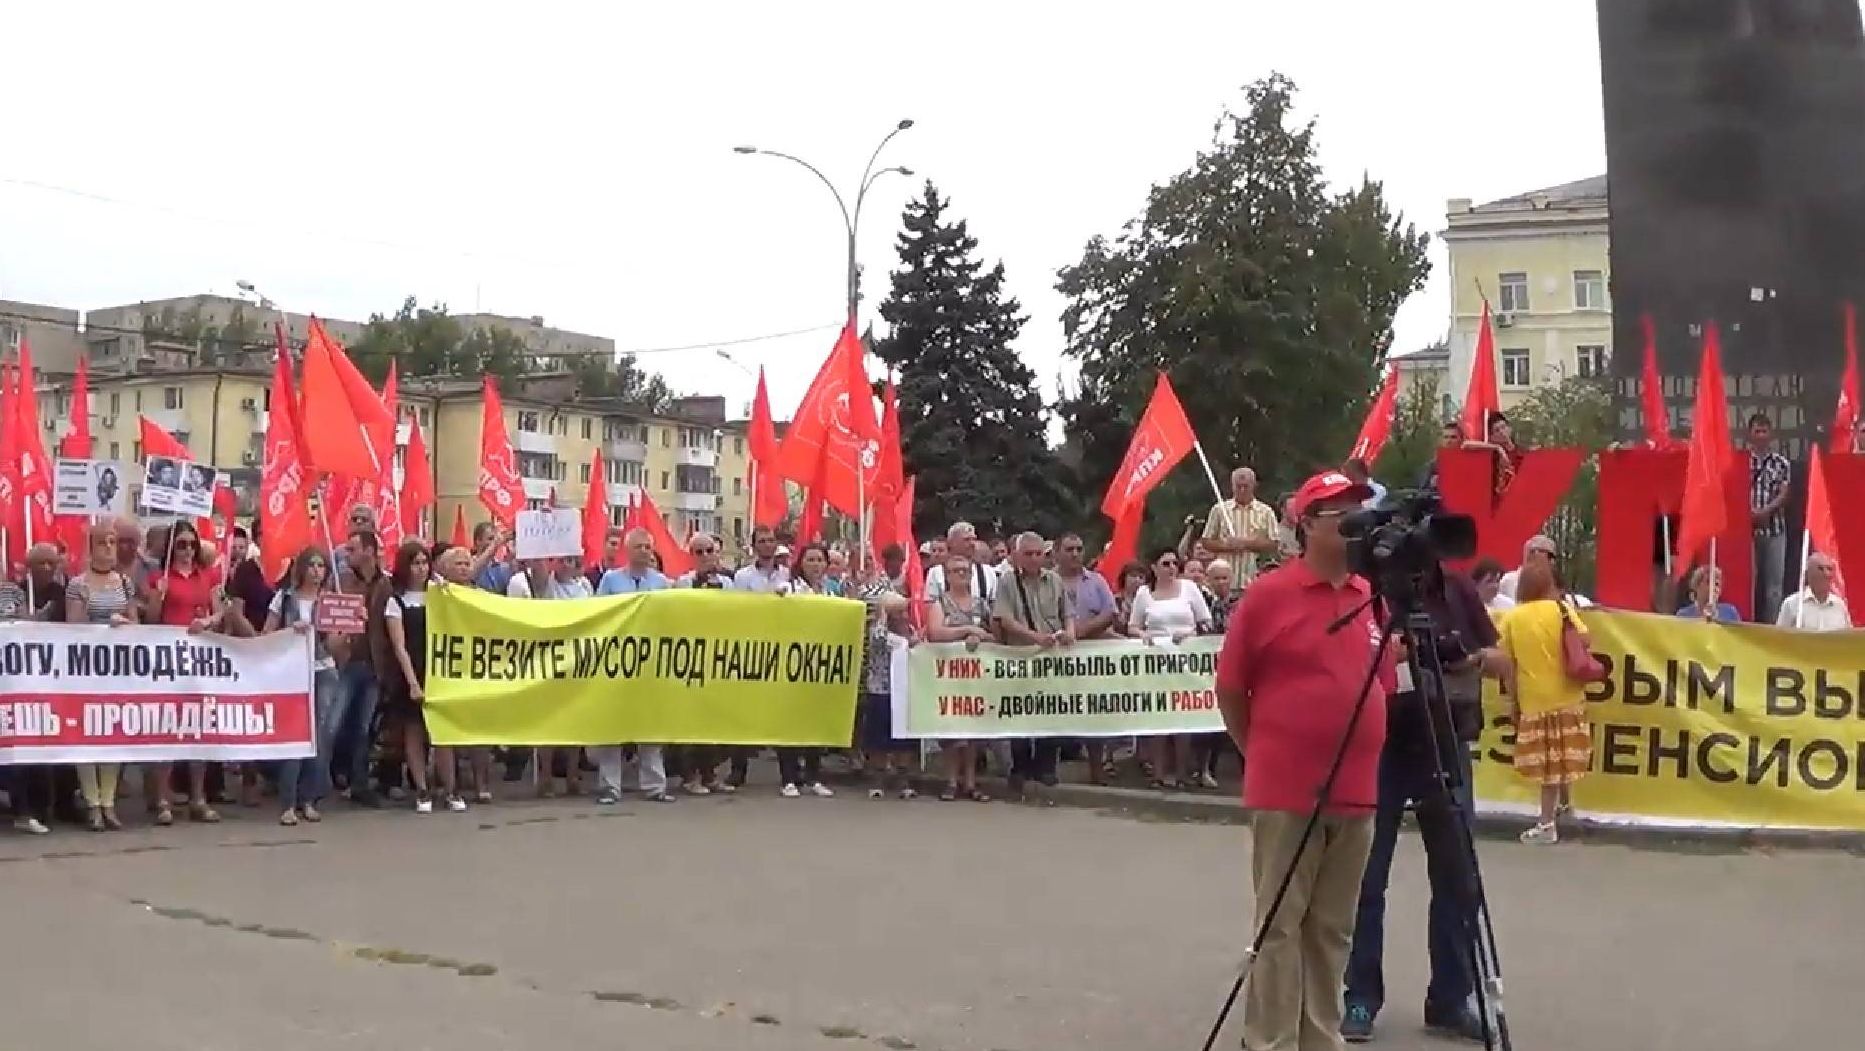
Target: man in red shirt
1288	686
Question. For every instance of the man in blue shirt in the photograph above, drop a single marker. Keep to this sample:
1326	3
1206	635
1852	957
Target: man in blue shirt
636	577
497	574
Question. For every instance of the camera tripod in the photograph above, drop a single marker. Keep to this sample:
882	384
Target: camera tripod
1405	618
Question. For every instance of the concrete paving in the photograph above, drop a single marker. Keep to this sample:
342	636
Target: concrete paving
769	924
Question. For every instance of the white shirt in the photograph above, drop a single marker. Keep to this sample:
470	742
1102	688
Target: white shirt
1831	615
983	582
1501	603
1505	589
1165	617
751	578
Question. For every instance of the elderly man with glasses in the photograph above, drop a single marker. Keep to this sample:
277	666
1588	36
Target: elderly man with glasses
1818	606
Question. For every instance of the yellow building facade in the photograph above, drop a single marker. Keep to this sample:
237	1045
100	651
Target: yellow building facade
1541	260
693	464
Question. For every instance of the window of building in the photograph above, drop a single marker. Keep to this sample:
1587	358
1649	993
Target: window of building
666	437
171	397
616	514
139	404
559	470
136	451
582	471
527	421
738	445
738	487
115	451
1515	368
1592	360
738	530
663	479
1512	293
560	425
116	402
690	479
1589	290
588	424
424	417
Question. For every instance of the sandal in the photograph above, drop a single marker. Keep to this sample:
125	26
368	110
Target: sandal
110	820
977	797
203	813
94	819
164	815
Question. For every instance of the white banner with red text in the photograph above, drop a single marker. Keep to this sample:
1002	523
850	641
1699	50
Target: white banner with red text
82	693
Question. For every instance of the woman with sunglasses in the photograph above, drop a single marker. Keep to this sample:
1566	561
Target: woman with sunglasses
183	593
1168	610
303	783
100	595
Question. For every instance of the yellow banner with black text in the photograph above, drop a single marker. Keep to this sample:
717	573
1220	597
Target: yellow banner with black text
670	667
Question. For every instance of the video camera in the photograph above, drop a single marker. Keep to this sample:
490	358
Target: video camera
1395	544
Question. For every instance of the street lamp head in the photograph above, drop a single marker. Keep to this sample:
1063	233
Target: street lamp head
244	285
903	125
908	172
744	149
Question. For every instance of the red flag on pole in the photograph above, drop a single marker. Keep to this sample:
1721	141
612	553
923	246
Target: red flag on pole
675	561
890	479
1822	530
809	530
34	467
1704	504
417	493
1846	415
500	489
158	442
1124	546
1162	438
284	483
768	505
76	444
1378	424
12	508
831	441
387	495
460	538
355	432
1651	391
595	512
1482	399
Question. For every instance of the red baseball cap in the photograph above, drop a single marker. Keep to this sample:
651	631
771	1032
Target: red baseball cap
1326	486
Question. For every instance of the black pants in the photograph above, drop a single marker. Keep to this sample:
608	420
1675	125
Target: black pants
1034	759
30	790
799	766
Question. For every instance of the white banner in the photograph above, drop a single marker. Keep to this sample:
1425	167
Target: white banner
89	487
549	534
84	693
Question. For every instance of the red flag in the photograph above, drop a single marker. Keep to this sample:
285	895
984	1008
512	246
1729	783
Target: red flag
1704	508
499	487
1651	392
1822	530
1482	400
417	491
34	468
1846	415
675	561
1378	424
595	512
833	437
355	433
158	442
768	505
1163	438
809	530
76	444
1124	546
890	480
387	495
914	571
284	494
461	538
12	509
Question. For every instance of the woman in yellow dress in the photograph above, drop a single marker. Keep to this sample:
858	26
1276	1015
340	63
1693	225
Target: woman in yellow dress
1553	746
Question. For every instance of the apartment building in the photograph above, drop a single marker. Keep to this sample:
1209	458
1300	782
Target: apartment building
1541	260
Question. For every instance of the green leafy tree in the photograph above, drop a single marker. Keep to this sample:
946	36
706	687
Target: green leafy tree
1576	412
972	423
425	341
1265	296
621	378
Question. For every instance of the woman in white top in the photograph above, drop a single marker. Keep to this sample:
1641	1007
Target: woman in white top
303	783
552	578
959	614
404	689
1169	609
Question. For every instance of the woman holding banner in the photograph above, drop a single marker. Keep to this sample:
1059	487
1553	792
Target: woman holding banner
1553	746
801	768
1168	610
185	593
405	616
959	615
303	783
100	595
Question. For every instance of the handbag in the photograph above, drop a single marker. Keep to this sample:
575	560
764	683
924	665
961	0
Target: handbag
1577	657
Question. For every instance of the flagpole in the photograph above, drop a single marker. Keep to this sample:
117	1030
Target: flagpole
1806	551
1664	527
32	602
1210	475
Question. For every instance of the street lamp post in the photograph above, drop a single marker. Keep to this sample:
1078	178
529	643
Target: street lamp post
851	219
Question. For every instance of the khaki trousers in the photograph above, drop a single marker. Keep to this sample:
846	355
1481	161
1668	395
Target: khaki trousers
1292	1001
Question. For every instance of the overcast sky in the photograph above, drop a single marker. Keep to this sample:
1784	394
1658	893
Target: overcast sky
573	160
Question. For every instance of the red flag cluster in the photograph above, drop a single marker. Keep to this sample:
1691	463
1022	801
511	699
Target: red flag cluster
1163	437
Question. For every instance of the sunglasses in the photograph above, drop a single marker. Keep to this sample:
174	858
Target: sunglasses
1167	563
314	565
183	545
1332	512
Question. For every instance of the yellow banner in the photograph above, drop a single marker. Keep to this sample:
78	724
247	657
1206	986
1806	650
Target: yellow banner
1711	724
668	667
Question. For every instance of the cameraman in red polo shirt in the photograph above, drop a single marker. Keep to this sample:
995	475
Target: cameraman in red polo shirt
1288	687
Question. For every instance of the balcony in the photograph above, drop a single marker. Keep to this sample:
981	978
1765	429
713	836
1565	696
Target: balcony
534	442
696	456
627	450
621	495
402	429
695	501
538	488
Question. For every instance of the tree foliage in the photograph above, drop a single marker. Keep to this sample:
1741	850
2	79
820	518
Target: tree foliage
1265	296
972	424
1417	422
1577	413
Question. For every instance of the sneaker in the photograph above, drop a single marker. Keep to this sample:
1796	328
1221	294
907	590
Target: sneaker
423	805
820	790
456	804
310	813
607	797
1459	1023
875	793
31	826
1542	833
909	793
660	797
725	788
790	792
1205	780
694	788
1356	1027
